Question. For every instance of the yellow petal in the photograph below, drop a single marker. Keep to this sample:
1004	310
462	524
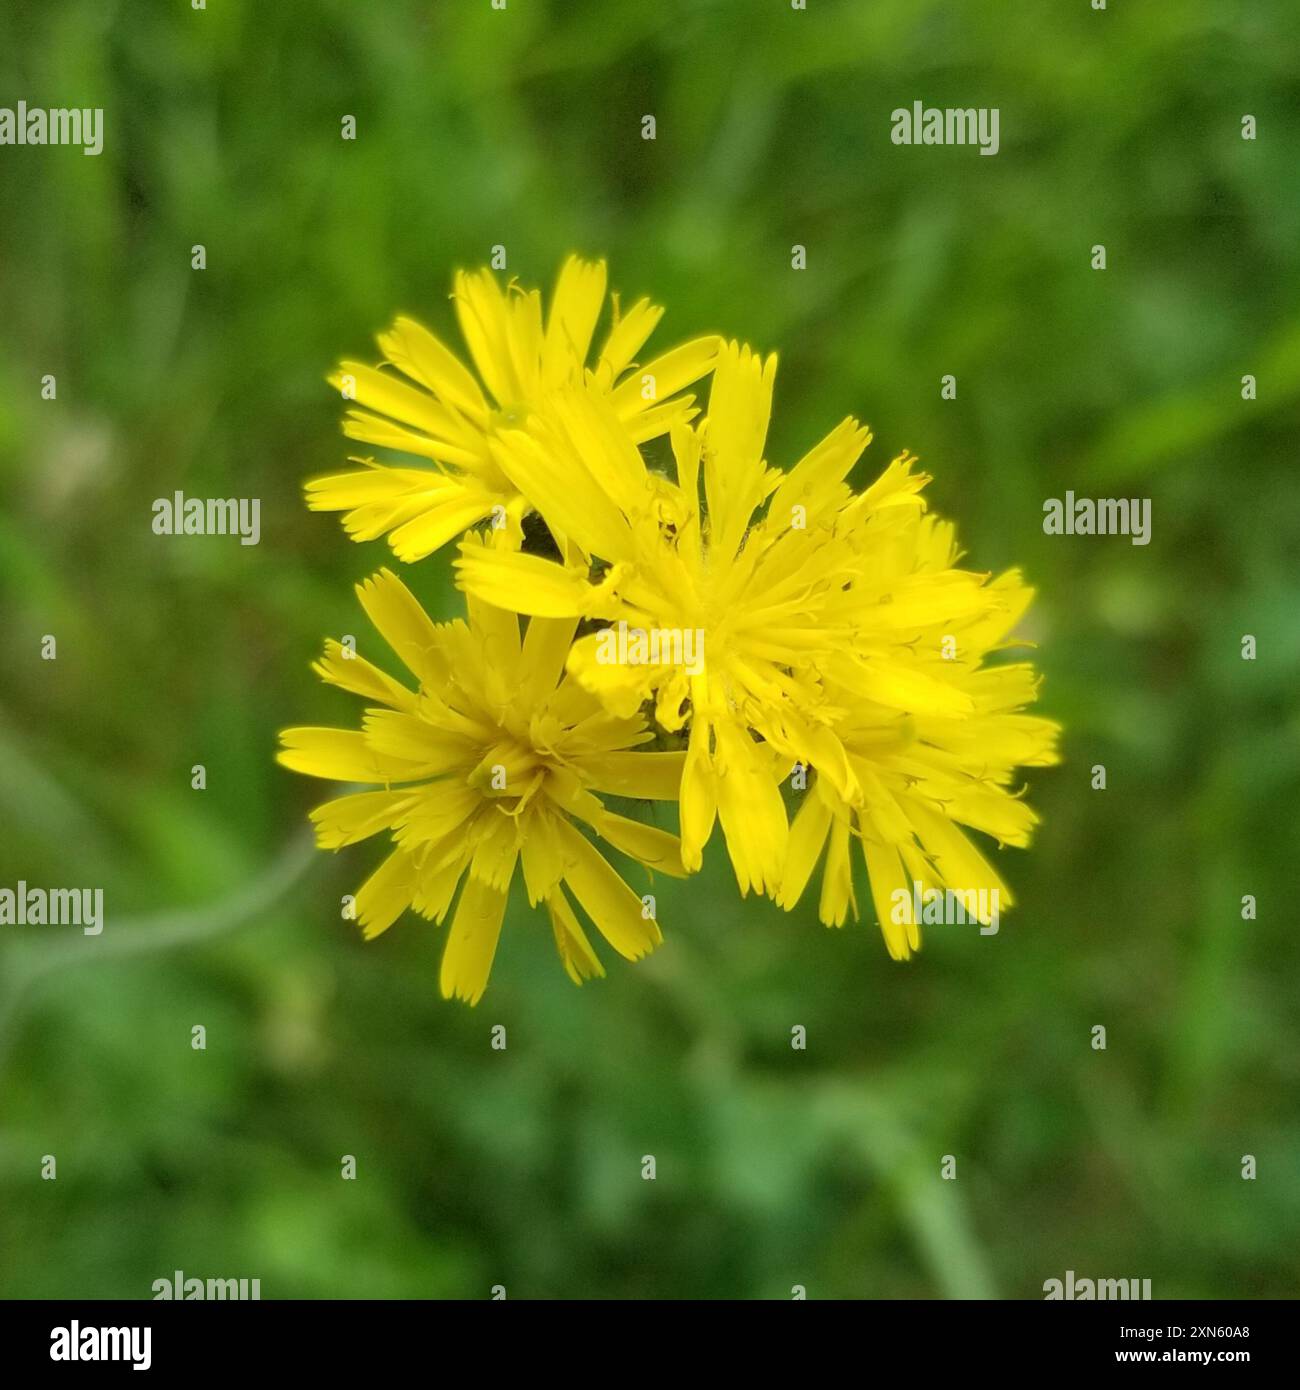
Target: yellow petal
472	941
808	833
687	446
660	419
699	795
442	522
580	961
546	647
740	404
571	482
341	755
655	848
751	811
412	348
523	583
837	897
496	850
484	324
385	895
400	734
464	450
496	626
643	776
905	687
541	856
607	900
669	373
343	667
438	816
373	486
349	819
816	481
887	878
435	883
388	394
575	307
958	863
626	338
402	623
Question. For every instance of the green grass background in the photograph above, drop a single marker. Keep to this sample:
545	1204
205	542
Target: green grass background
775	1167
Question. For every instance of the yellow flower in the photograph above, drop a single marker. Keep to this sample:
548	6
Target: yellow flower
827	628
431	406
765	603
934	750
768	620
496	760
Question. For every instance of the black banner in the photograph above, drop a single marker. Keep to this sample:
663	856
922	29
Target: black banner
168	1338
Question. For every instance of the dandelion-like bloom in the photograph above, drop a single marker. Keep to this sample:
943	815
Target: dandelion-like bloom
938	752
766	621
832	626
432	406
768	595
495	761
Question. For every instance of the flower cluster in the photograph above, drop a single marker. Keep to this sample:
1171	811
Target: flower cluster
799	662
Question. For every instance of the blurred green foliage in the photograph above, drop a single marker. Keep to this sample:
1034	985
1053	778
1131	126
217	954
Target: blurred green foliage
775	1167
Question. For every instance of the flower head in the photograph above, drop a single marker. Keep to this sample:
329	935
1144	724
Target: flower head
423	401
768	622
495	761
932	733
833	627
